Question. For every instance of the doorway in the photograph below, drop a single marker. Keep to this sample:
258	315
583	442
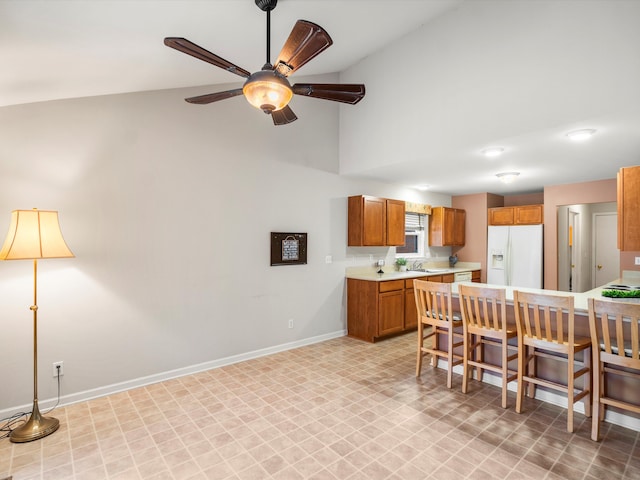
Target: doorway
577	240
606	266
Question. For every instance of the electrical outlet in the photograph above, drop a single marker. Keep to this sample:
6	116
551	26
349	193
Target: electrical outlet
637	260
328	259
58	371
380	263
291	323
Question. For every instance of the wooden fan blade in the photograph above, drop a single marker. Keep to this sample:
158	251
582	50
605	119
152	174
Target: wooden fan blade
185	46
283	116
214	97
305	41
350	93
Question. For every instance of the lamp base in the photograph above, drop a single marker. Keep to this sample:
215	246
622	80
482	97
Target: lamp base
36	427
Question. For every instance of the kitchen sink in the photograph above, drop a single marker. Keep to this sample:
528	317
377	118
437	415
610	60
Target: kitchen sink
429	270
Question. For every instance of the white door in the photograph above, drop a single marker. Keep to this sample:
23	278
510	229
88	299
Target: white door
606	255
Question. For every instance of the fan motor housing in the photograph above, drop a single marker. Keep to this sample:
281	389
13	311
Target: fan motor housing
266	5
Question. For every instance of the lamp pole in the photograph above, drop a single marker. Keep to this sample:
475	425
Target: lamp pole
37	426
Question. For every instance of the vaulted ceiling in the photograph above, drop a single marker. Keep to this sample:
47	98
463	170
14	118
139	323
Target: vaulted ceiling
58	49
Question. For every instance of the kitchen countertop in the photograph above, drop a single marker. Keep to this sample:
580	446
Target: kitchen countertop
390	272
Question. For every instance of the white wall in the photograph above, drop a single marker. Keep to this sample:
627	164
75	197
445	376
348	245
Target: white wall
472	74
168	208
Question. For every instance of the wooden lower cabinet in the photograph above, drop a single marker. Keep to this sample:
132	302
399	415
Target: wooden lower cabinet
391	312
410	312
390	307
379	309
475	276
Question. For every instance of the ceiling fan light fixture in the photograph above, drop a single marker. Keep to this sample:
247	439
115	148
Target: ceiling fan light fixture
507	177
580	135
267	90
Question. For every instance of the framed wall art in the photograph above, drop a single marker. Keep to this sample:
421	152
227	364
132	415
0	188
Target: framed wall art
288	248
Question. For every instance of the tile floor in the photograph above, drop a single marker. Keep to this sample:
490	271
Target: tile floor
342	409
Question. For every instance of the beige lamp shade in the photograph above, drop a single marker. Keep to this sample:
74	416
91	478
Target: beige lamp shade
34	234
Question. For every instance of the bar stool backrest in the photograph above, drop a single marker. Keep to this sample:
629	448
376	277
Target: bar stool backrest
548	318
615	331
483	307
433	299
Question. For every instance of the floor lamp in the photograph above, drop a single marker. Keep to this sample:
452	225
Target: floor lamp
34	234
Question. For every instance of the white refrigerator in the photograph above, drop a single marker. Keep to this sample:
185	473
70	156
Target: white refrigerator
514	255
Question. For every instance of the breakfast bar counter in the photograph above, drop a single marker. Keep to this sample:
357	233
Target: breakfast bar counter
388	308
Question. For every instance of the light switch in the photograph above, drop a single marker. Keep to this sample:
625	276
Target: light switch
637	260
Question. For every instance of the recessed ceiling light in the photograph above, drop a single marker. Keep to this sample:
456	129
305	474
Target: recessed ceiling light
580	135
507	177
422	188
492	152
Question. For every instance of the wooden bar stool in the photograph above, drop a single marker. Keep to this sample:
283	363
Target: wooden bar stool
484	319
546	330
436	317
615	333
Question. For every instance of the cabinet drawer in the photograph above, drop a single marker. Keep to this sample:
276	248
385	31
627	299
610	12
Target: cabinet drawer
390	285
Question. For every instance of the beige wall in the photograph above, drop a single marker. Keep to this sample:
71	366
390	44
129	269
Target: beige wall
475	248
526	199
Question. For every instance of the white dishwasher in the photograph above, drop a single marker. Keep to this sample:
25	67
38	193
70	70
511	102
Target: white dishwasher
462	277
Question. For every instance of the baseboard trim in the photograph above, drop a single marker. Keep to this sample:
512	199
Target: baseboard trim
179	372
615	418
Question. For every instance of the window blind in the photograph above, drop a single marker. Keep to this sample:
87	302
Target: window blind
414	221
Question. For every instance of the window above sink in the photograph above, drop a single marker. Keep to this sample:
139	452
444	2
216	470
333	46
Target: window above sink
414	235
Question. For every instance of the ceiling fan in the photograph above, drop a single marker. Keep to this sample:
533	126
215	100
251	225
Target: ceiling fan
269	89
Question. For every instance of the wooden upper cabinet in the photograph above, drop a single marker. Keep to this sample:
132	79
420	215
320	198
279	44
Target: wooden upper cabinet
629	209
529	215
501	216
517	215
375	221
459	220
395	222
447	227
